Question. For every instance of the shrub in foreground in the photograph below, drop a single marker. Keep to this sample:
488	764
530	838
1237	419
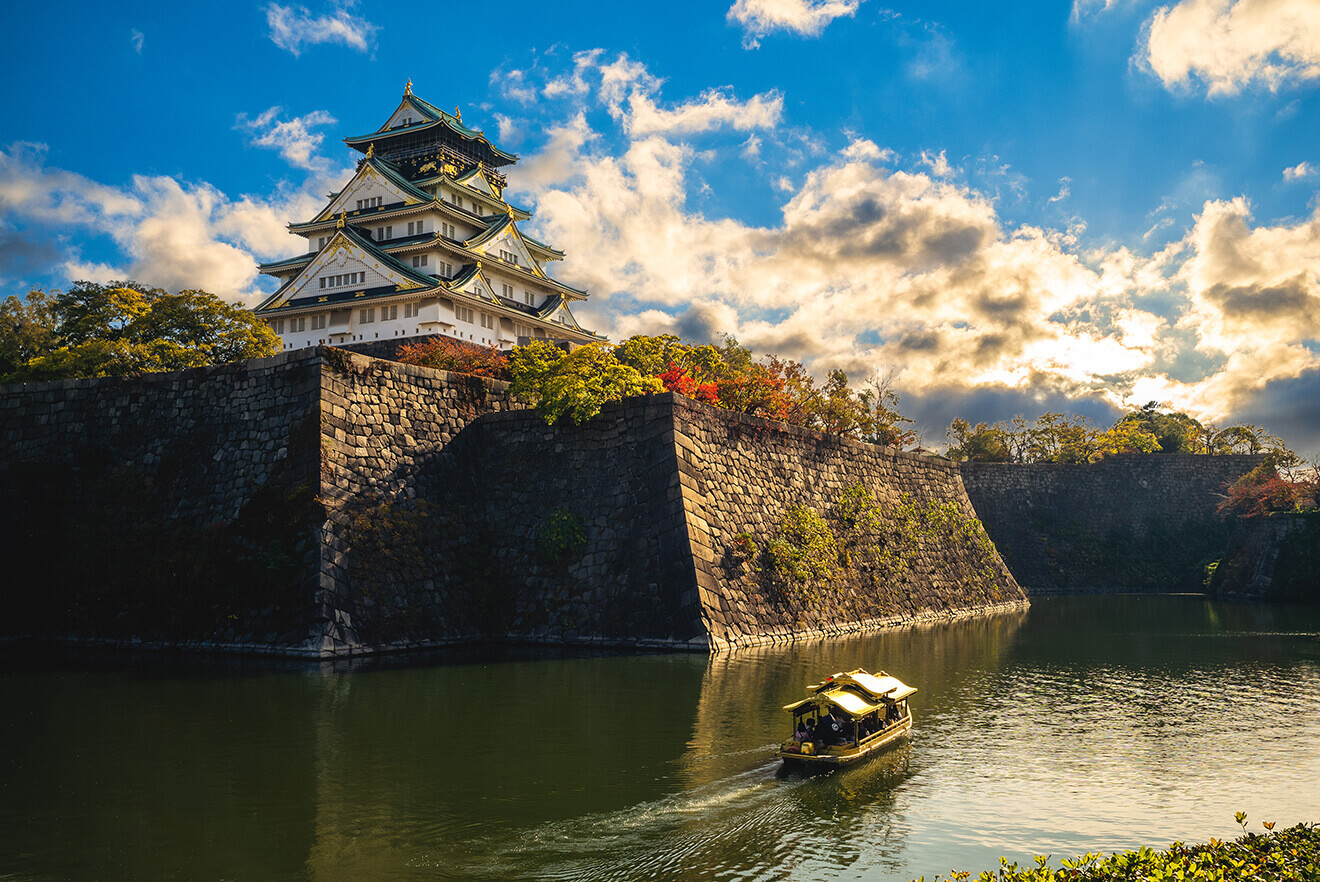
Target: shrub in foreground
1288	854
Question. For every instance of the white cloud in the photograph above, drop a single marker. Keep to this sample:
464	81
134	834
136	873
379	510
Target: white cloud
135	39
1065	189
293	138
1084	10
758	18
293	27
169	233
1233	45
874	263
713	109
1299	171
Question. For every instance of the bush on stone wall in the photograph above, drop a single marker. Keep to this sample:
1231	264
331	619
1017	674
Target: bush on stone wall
561	538
801	557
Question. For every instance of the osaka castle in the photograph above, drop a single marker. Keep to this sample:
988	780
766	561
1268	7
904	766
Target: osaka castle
421	242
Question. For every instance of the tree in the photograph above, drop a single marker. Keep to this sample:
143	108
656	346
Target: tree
576	384
1174	432
981	443
96	330
27	329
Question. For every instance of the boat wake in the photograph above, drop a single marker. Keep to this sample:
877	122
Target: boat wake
742	826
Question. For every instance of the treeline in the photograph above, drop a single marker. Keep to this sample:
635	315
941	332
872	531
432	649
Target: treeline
1283	481
576	384
1056	437
95	330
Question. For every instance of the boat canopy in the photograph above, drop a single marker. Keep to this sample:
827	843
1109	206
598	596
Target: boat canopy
856	692
850	702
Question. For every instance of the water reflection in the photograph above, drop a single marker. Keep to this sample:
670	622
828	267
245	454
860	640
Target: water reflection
1085	723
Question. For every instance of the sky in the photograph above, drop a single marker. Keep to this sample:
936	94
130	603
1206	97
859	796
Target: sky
1008	208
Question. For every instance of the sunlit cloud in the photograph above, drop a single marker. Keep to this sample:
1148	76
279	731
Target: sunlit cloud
1228	46
808	18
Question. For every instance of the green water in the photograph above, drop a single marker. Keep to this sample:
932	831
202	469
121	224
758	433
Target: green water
1087	723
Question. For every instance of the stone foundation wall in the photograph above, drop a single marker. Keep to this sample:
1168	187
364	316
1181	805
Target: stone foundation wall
1131	522
740	475
324	503
1271	558
175	506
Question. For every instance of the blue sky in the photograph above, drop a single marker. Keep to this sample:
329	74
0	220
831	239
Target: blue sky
1010	207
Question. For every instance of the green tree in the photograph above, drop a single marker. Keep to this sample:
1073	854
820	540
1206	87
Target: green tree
981	443
27	329
576	384
1174	432
96	330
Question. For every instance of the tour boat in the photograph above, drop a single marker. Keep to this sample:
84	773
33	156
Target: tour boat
846	717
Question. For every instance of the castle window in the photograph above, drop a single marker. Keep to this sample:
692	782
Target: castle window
366	316
318	321
463	314
508	291
393	313
383	233
487	320
446	270
320	243
409	310
297	324
419	260
277	326
447	230
529	298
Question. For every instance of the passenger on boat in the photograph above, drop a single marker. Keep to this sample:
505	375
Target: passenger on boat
803	732
828	729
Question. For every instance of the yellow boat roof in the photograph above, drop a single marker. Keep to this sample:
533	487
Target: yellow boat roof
856	692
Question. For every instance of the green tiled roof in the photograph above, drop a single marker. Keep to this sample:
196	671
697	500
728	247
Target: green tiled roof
371	248
434	116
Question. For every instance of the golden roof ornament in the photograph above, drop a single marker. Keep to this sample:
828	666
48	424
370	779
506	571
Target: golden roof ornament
371	149
339	224
458	114
407	89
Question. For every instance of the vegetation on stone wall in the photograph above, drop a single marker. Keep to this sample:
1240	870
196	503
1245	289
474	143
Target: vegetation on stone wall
800	559
863	545
560	538
576	384
95	330
1275	856
459	356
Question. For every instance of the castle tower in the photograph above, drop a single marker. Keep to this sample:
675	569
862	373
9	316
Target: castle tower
421	242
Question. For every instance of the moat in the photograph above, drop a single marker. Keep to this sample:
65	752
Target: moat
1085	723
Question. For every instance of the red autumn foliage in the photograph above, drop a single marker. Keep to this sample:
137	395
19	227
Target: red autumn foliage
679	379
458	356
1263	492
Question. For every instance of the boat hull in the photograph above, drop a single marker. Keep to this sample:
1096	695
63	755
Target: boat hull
847	755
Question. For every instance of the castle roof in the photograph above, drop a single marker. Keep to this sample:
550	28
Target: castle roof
431	120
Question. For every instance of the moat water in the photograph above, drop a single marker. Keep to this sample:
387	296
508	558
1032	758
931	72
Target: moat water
1087	723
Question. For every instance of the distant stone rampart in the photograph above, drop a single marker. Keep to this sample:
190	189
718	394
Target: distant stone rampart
1135	522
